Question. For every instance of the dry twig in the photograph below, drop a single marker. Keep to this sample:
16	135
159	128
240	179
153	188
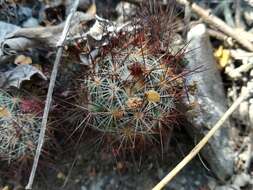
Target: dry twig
49	94
237	13
208	17
245	94
220	36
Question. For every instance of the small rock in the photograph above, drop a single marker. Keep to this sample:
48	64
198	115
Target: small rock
61	176
212	184
242	180
244	111
24	13
211	101
31	22
247	11
123	9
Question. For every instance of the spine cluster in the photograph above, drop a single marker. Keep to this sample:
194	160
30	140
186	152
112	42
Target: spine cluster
19	129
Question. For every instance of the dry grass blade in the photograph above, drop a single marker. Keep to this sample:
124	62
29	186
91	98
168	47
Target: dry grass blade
49	94
204	140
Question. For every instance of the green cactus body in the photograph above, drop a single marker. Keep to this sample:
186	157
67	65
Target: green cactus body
19	131
130	91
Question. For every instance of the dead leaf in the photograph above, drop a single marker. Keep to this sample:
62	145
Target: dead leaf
19	74
92	9
223	56
218	52
23	60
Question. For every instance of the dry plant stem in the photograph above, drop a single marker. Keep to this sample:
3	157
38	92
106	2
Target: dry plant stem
237	13
242	69
187	18
203	142
218	23
220	36
216	34
50	93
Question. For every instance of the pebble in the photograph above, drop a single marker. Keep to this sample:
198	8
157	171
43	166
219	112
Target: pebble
242	180
31	22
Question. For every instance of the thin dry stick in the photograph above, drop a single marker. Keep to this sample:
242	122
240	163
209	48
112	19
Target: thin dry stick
187	19
237	13
50	93
220	36
203	142
218	23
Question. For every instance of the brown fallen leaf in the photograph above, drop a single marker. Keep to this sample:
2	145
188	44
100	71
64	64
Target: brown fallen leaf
23	60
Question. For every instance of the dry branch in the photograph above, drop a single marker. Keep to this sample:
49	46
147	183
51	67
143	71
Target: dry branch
220	36
208	17
245	94
237	13
46	37
49	94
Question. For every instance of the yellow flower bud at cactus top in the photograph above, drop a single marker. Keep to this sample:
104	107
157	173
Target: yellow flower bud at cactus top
153	96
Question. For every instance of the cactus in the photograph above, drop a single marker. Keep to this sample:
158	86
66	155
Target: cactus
134	88
132	93
19	131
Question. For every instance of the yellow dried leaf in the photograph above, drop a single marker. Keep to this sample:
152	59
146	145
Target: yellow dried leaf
92	9
23	60
4	112
224	60
153	96
223	56
218	52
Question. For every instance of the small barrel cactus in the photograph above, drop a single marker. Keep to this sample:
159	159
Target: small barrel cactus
136	94
134	88
19	129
